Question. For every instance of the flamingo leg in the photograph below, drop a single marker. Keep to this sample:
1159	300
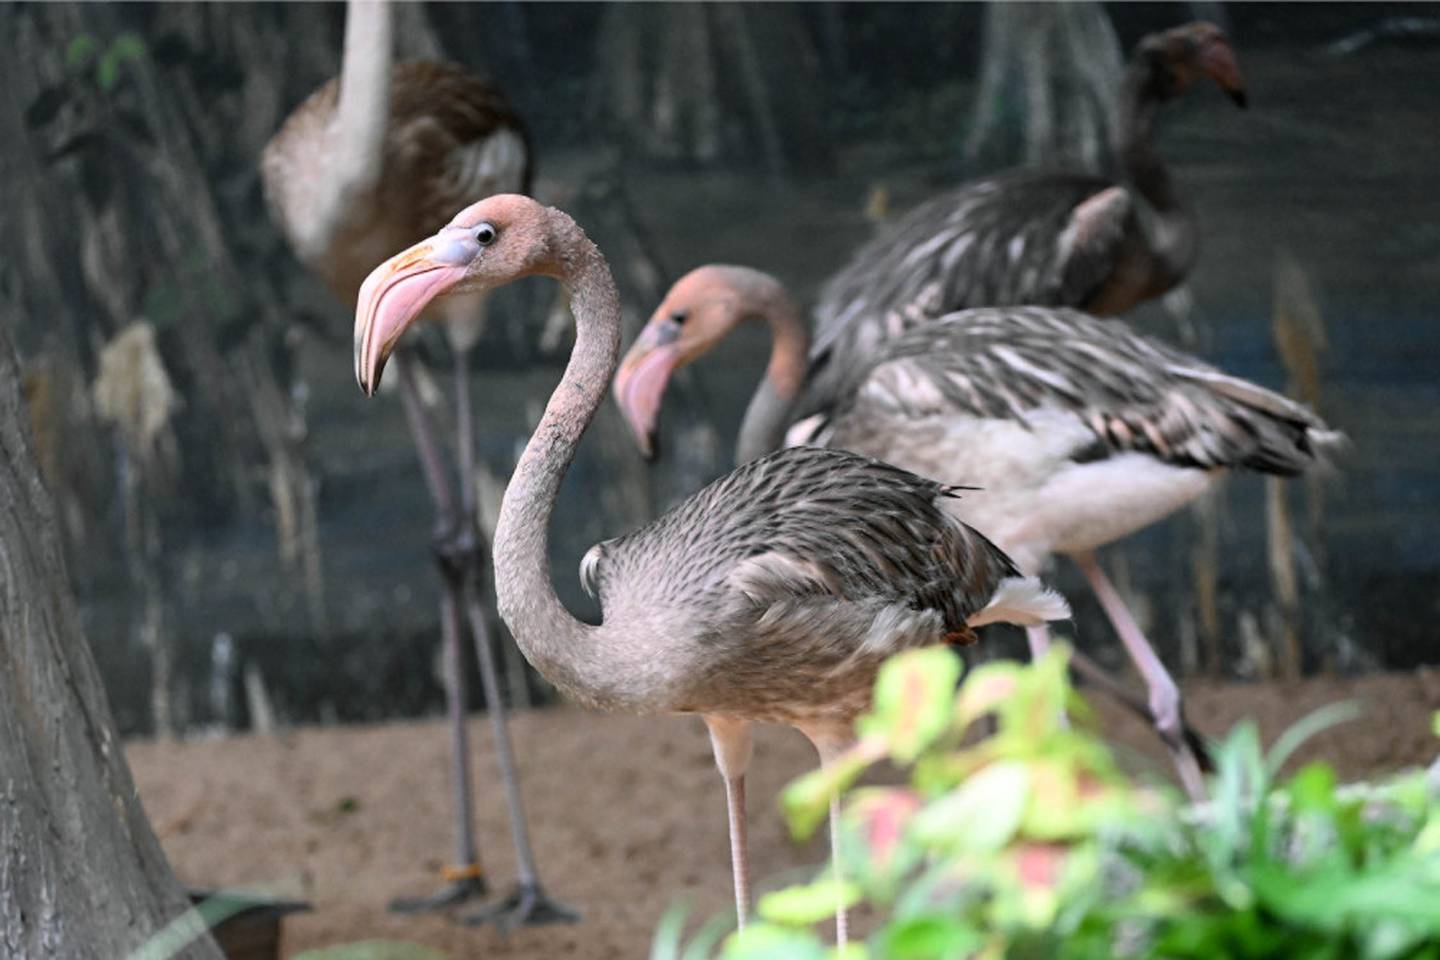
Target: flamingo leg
1038	640
733	744
830	744
467	856
528	904
1166	710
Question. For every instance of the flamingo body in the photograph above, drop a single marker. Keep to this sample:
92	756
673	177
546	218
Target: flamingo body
772	594
786	583
1045	237
450	139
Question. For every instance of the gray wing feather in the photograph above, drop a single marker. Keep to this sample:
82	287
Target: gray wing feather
1132	391
1025	237
808	522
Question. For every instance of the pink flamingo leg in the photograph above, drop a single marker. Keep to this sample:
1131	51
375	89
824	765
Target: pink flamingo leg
830	744
1165	707
1038	639
733	744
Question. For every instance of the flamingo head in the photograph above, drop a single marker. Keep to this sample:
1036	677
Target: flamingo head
488	244
1180	56
699	312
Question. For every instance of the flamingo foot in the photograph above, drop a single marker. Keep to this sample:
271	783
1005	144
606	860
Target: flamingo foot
526	906
458	892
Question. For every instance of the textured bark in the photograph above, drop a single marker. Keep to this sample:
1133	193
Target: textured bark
81	873
702	83
1058	66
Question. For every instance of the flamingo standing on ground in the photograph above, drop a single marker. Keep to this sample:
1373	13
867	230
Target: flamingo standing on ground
374	160
1031	236
771	595
1074	431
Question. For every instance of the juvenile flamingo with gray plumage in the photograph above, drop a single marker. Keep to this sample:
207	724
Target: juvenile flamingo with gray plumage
1076	431
1031	236
771	595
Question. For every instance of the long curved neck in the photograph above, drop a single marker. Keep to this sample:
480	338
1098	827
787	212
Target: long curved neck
773	405
1172	229
549	636
363	110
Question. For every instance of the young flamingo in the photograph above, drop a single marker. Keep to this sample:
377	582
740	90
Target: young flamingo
1074	431
771	595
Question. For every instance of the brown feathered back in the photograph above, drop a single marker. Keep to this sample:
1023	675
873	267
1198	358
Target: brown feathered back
438	156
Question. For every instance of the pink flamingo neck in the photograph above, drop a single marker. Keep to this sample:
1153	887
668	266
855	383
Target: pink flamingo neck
771	408
546	632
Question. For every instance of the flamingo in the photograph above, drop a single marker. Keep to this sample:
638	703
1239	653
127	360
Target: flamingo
1076	430
1031	236
374	160
772	595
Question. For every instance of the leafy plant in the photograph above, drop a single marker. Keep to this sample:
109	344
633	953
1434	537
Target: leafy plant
1031	842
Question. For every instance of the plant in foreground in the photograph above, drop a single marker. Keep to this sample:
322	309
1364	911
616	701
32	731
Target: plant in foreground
1033	843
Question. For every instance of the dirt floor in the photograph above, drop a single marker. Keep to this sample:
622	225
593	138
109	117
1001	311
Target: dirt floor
627	814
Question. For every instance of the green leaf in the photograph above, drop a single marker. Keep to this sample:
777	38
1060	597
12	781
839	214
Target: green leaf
881	816
1435	723
1312	790
851	951
665	945
702	946
80	51
127	46
804	904
767	941
806	801
930	937
913	697
1332	714
988	686
179	932
373	950
982	815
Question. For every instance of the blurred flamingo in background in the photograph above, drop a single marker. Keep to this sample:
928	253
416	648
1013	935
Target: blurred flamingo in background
1036	236
374	160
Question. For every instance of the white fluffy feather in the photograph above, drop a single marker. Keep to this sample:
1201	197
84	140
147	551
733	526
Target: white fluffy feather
1024	601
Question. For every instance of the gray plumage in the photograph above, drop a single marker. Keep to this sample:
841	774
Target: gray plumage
1044	237
795	575
774	594
1134	393
1007	239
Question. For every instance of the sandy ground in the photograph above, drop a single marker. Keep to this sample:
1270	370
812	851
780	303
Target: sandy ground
627	814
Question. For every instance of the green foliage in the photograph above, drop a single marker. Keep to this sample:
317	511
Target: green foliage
84	50
1032	843
373	950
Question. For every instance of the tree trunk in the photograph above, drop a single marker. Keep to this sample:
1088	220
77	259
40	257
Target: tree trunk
1058	66
81	873
707	83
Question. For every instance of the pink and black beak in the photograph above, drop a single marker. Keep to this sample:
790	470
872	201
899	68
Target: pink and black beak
643	375
1216	59
397	292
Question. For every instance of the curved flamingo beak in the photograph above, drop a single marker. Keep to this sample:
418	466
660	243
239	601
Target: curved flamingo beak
1217	60
397	292
640	383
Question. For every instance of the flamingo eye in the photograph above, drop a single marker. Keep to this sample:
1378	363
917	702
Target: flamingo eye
485	234
678	318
